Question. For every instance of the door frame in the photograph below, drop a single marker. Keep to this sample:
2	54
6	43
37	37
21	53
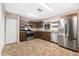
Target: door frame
17	28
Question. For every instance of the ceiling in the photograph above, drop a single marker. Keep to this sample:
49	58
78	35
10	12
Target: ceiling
23	8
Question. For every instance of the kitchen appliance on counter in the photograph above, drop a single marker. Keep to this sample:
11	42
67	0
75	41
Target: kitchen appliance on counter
47	26
68	32
29	34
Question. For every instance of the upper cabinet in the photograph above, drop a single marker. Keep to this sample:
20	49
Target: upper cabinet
36	24
23	22
51	24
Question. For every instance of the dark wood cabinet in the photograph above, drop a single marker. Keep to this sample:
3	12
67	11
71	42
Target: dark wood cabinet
23	36
36	24
48	36
35	34
44	35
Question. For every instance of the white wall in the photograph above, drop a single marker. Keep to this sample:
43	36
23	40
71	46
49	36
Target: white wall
2	28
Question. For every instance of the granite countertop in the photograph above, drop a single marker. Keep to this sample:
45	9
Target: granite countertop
44	30
40	30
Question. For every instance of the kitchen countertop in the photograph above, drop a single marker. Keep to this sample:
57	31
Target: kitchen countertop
22	29
40	30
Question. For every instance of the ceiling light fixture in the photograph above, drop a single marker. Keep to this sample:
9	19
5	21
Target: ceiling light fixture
44	5
29	14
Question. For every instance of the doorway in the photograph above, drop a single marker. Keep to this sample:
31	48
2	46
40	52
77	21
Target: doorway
11	30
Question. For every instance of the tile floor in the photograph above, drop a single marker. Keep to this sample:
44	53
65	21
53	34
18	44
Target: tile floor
36	47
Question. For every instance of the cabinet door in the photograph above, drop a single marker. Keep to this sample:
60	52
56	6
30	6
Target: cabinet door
48	36
35	34
44	36
40	35
22	36
36	24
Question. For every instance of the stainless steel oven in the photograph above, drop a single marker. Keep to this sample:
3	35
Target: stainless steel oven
29	34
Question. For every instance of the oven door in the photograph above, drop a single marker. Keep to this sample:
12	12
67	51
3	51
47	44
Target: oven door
29	34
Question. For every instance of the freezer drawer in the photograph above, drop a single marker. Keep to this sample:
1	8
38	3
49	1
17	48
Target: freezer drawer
71	44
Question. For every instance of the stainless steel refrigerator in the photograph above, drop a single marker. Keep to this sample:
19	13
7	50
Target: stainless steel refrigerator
68	32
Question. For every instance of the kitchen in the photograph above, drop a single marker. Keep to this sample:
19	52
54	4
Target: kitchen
41	29
61	29
51	31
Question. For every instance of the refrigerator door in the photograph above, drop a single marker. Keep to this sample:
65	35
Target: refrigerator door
61	33
71	33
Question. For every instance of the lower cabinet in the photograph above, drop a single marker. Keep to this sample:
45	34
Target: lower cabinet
44	35
48	36
23	36
35	34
